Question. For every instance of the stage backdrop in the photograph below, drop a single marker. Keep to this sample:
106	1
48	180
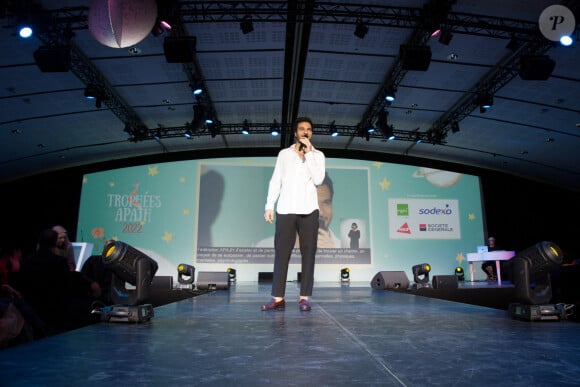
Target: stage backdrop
209	213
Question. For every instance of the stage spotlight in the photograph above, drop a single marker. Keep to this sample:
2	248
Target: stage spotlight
187	134
196	88
485	100
128	266
332	130
531	272
345	274
91	91
185	274
275	129
232	273
459	273
421	274
25	31
361	29
454	127
247	25
246	128
390	94
532	283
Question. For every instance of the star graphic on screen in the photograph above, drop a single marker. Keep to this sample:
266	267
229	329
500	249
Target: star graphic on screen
186	212
472	216
111	184
377	164
385	184
460	258
167	236
152	171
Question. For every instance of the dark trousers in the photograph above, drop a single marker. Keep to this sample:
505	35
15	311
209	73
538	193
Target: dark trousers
287	225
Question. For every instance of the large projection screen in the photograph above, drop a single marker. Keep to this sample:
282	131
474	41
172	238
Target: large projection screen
209	213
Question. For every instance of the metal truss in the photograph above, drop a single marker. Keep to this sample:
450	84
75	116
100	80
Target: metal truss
264	128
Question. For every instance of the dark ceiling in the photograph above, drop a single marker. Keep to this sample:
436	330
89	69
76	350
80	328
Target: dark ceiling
302	58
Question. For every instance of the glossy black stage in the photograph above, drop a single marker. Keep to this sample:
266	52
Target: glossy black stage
354	335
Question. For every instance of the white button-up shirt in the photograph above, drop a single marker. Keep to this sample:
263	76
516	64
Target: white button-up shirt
294	181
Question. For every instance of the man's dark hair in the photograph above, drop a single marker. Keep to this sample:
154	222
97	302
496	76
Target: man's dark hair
302	119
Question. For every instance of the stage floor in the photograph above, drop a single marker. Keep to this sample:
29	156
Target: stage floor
354	335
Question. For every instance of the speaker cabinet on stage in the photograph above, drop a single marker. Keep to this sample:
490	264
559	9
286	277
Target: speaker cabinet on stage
265	277
213	280
444	282
162	282
390	280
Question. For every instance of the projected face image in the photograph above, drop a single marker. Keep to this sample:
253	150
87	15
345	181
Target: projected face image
325	205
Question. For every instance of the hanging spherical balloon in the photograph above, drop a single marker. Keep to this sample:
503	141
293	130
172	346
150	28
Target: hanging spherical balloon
121	23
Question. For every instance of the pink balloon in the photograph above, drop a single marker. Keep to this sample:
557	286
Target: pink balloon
121	23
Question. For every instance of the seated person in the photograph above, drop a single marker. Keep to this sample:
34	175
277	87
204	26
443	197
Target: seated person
62	298
489	266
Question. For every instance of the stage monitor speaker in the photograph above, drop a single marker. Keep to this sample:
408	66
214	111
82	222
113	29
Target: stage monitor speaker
414	57
265	276
444	282
162	282
53	59
213	280
179	49
390	280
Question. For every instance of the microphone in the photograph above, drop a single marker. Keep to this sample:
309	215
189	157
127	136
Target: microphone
301	147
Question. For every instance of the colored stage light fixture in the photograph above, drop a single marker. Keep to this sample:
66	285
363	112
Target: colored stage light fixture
421	273
345	274
232	273
128	266
459	273
185	274
531	272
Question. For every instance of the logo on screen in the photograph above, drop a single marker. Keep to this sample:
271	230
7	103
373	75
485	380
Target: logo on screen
404	229
402	209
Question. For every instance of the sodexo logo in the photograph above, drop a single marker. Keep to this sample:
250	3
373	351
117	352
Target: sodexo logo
436	211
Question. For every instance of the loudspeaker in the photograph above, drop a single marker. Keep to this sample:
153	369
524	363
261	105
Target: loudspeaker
415	57
390	280
444	282
265	276
213	280
536	67
53	59
162	282
179	49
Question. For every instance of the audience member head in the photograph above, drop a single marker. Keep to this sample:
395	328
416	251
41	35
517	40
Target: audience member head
47	240
62	240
